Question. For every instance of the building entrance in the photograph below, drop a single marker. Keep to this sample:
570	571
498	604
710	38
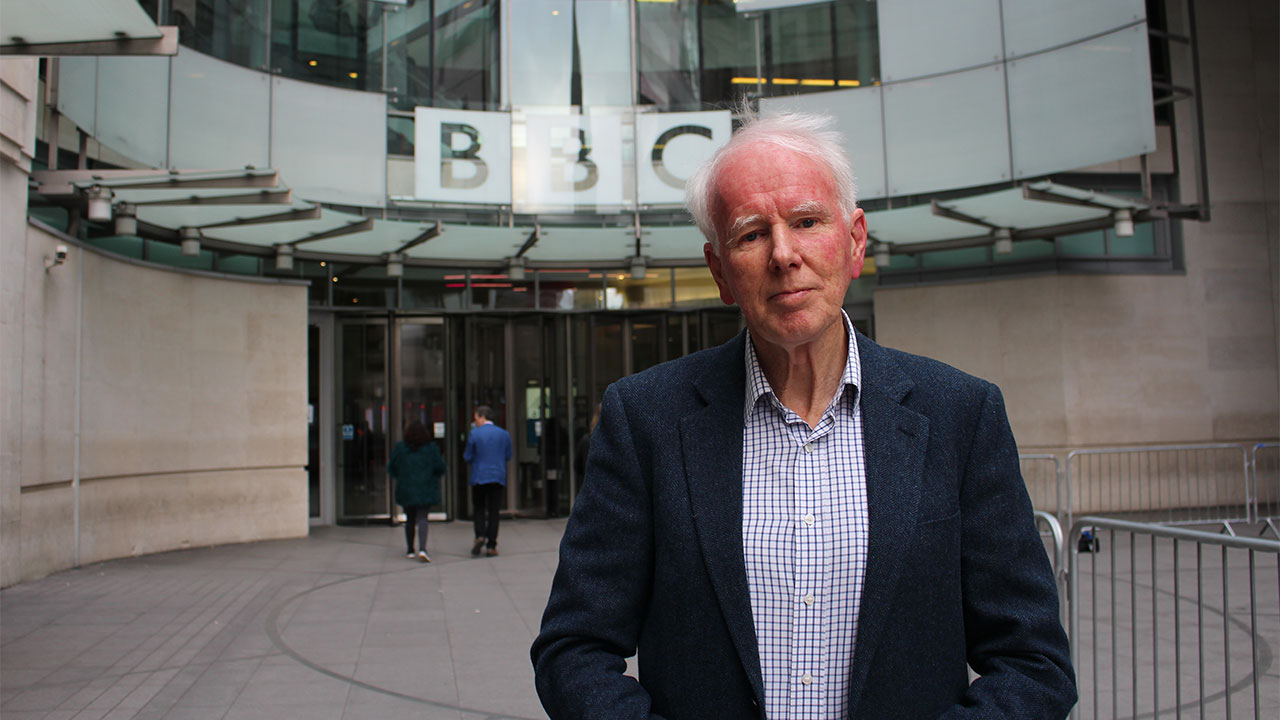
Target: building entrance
543	374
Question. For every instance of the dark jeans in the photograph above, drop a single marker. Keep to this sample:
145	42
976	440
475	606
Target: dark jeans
485	500
415	516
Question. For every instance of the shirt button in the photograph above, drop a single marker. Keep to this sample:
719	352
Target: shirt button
807	679
808	599
808	447
808	520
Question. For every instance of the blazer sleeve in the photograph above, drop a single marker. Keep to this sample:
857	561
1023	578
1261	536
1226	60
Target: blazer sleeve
1014	637
599	594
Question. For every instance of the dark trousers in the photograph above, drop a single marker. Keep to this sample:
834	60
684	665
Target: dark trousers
485	500
415	517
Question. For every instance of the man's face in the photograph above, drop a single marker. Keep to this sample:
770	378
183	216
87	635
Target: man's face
787	253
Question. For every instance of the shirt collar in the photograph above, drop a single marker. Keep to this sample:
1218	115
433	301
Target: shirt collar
758	384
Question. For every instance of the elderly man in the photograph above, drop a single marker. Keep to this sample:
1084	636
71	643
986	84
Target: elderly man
800	523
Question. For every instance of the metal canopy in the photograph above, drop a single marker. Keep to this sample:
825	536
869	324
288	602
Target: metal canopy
250	210
82	27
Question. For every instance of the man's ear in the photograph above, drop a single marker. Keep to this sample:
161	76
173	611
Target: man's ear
858	235
713	264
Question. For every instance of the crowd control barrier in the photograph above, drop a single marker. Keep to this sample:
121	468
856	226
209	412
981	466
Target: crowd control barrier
1172	622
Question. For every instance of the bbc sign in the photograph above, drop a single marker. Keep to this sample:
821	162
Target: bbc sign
537	160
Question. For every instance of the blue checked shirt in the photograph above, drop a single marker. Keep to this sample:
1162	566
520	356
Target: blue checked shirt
804	529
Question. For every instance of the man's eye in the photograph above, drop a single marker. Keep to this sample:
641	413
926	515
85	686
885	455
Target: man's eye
808	222
749	237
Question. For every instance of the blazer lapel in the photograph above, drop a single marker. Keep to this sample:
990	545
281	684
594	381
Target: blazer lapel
711	441
894	442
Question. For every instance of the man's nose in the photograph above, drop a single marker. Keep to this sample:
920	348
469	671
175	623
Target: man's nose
785	253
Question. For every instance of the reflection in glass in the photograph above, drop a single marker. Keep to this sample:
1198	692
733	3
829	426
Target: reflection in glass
422	396
233	30
668	55
362	446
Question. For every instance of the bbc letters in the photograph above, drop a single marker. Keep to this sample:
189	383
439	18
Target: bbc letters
546	160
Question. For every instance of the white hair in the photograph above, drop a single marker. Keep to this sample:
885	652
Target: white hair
805	134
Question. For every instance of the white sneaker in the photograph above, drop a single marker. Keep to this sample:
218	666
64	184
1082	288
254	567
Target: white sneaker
411	555
423	556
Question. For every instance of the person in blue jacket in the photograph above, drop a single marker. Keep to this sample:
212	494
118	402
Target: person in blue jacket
416	466
488	451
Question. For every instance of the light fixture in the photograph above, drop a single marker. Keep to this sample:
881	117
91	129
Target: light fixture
395	265
190	240
59	257
126	219
99	203
1124	222
1004	241
284	257
515	268
638	267
882	256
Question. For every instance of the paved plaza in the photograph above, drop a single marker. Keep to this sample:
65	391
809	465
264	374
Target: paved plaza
337	625
341	625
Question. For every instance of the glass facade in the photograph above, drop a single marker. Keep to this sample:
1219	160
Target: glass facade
688	54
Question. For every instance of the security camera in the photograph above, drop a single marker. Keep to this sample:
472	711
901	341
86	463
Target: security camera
59	257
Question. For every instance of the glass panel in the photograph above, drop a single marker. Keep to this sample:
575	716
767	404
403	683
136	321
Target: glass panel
1028	250
668	55
675	336
696	287
569	290
362	435
120	244
166	254
326	41
530	410
603	53
607	366
956	258
923	37
220	114
466	56
485	365
425	287
1091	243
651	291
647	341
240	264
422	396
729	55
946	132
721	327
1142	242
858	48
1082	104
233	30
362	286
313	421
1029	27
800	48
541	29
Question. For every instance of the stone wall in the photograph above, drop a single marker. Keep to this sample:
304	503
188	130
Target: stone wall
192	396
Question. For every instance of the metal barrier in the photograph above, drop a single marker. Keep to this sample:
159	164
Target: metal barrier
1264	463
1057	557
1043	476
1186	484
1122	639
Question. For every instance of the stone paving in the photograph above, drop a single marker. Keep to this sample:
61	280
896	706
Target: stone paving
337	625
341	625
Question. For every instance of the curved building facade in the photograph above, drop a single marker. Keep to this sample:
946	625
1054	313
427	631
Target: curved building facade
293	226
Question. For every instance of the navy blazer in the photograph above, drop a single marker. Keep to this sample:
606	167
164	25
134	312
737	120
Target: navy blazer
651	562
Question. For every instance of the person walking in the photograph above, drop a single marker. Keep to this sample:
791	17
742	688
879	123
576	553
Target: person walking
488	452
416	466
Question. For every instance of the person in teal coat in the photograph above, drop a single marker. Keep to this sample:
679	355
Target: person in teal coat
416	466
